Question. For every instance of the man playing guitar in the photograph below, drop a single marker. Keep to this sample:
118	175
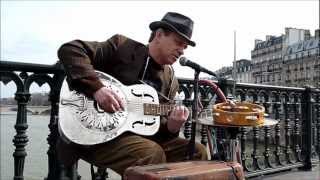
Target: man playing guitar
131	62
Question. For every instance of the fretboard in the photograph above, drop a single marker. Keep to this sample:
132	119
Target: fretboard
164	110
157	109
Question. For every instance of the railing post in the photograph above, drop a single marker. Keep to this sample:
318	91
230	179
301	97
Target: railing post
276	107
307	128
53	169
187	124
53	164
20	139
221	134
318	123
297	129
56	170
225	84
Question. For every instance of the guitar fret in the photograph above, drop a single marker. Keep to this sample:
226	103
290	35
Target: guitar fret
162	109
156	109
153	109
145	108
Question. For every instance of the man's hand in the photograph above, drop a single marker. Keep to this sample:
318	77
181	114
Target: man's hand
177	118
108	100
231	103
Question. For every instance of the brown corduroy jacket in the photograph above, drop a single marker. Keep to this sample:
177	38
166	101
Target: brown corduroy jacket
120	57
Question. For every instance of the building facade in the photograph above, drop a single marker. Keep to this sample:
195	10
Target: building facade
292	59
288	60
243	72
266	60
301	63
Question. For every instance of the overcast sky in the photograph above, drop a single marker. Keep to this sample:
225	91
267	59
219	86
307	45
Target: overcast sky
32	31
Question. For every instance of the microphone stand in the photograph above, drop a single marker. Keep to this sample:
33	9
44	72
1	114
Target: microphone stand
194	119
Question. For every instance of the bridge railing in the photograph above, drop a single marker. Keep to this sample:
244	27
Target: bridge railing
294	142
23	75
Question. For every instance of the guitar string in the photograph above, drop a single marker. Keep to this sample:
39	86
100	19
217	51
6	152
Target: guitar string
205	113
139	106
135	104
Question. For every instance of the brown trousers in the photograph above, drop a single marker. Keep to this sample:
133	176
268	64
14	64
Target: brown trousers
129	150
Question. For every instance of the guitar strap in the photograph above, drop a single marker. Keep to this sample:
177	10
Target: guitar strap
172	80
145	68
159	93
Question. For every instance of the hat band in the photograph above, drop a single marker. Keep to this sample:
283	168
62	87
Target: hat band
180	27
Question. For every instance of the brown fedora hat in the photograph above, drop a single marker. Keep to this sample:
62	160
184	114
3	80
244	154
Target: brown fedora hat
176	22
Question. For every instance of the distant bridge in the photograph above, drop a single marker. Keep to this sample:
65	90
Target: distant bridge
34	110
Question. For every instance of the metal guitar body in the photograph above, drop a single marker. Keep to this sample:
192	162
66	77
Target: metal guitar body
83	122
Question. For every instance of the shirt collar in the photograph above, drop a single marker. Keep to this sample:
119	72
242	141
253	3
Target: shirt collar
155	65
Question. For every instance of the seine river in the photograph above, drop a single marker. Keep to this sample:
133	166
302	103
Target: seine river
36	162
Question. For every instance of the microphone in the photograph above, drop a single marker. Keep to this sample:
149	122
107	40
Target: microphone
186	62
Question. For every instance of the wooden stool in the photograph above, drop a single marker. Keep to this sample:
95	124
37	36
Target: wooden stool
190	170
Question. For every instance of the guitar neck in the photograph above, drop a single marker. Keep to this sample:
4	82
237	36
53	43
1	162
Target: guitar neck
157	109
163	109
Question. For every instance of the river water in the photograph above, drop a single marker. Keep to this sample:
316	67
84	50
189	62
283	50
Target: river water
36	162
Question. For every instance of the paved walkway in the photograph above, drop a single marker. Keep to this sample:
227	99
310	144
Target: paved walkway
294	175
84	171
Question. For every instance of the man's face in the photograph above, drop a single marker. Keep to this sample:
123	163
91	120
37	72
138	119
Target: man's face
171	47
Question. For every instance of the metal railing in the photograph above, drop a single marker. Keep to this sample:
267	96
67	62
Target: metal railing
23	75
292	143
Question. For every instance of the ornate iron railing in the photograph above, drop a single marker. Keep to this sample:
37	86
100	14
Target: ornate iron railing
23	75
294	142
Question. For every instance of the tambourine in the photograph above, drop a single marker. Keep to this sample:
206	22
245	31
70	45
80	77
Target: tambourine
240	114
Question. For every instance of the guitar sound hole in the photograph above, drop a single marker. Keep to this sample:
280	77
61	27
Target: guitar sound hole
142	95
